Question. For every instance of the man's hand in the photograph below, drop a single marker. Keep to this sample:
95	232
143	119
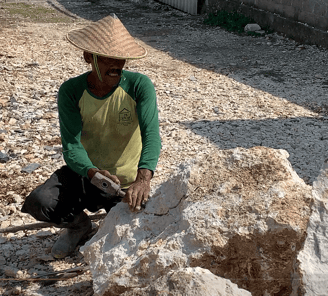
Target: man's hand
138	191
91	173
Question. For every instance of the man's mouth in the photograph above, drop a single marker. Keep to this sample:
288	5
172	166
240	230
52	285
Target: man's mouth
114	73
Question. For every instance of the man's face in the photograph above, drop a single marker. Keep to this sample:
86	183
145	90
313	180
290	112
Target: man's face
110	69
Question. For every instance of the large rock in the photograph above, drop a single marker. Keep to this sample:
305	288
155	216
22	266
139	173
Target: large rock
314	257
190	281
241	214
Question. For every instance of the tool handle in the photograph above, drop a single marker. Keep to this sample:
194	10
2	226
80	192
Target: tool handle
107	185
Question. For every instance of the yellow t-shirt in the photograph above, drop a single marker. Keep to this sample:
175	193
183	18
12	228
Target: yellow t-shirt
118	132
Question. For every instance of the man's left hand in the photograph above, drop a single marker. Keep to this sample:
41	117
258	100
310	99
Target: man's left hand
138	191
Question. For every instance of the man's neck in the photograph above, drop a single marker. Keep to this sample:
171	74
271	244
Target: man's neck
99	88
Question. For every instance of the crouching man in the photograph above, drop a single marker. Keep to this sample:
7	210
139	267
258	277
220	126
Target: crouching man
109	124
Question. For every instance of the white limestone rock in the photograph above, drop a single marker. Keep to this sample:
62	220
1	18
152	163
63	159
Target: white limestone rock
252	28
314	257
190	281
241	214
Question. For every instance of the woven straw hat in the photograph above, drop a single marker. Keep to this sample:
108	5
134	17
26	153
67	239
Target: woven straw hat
109	38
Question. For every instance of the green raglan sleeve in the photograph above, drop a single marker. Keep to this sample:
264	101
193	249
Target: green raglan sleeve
70	122
148	120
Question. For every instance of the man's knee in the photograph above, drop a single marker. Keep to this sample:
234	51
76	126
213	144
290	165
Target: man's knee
40	203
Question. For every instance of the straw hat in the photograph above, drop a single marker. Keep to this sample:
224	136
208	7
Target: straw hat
109	38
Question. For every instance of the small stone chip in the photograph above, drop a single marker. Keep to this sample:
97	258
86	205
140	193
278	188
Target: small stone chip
16	290
10	271
252	28
46	258
3	240
3	157
2	260
44	234
30	168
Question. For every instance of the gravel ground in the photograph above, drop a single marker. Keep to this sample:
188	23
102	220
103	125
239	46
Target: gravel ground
215	89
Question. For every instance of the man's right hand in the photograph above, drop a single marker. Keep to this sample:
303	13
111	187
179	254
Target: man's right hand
91	173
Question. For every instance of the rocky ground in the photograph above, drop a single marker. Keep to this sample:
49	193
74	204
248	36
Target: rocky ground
213	88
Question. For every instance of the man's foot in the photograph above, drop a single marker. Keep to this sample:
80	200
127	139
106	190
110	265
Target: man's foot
71	236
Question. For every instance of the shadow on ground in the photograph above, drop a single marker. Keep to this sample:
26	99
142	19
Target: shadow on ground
303	138
280	69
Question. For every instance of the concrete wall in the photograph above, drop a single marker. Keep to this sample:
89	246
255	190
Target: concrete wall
292	17
312	12
189	6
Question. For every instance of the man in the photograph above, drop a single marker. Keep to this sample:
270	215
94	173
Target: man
109	124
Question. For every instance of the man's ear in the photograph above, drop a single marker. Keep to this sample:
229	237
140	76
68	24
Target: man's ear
87	57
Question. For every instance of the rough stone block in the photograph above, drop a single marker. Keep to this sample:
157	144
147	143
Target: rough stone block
308	6
314	256
265	4
278	8
191	282
297	4
321	10
270	6
289	11
242	214
322	23
307	18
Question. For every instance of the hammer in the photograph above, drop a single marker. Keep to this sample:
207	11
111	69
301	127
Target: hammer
107	185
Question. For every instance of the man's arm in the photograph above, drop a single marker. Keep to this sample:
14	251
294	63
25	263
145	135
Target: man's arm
149	125
71	127
147	111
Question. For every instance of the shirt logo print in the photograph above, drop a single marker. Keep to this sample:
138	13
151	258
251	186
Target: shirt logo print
125	117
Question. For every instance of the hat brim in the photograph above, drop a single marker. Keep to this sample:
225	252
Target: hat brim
108	38
118	57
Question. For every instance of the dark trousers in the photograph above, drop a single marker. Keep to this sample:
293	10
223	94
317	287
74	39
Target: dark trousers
64	195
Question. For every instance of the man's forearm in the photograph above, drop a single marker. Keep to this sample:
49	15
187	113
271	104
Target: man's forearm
144	175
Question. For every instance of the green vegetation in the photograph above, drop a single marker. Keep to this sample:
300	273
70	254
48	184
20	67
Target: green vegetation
231	21
36	13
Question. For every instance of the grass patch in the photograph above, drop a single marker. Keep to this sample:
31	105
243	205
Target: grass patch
36	13
232	22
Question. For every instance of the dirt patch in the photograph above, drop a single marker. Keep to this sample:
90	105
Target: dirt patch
11	13
242	262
